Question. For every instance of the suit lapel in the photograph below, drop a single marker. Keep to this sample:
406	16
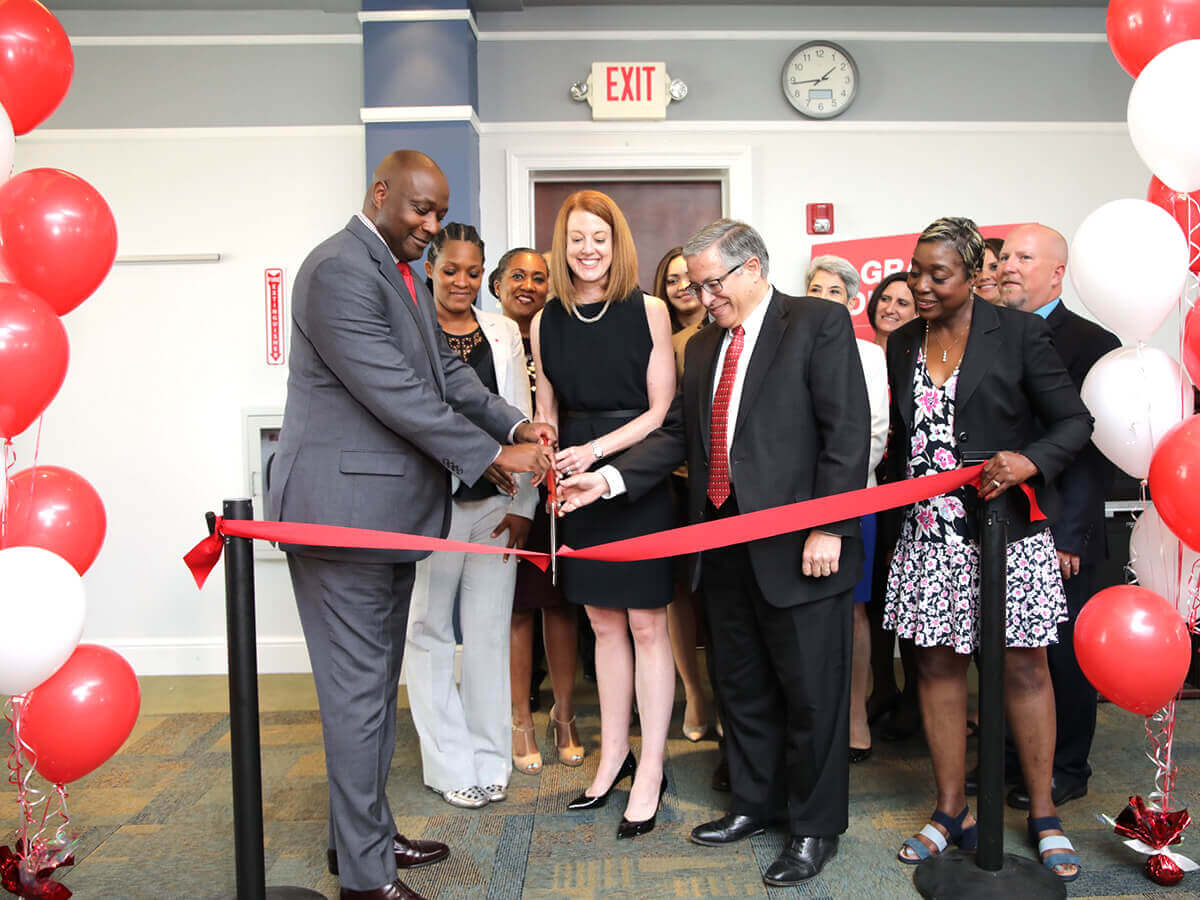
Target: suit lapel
773	325
910	340
983	348
710	340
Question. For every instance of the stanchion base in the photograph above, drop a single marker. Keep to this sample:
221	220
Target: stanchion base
291	893
954	874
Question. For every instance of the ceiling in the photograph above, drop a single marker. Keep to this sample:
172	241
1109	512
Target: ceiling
343	6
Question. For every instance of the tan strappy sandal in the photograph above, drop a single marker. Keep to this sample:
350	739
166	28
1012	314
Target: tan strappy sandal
570	754
529	763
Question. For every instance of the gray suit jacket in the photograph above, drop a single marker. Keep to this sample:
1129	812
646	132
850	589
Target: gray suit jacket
379	410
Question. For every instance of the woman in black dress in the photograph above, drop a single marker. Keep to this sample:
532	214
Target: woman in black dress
605	379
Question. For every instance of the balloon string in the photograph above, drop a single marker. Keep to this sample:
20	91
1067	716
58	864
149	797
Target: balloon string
4	495
37	448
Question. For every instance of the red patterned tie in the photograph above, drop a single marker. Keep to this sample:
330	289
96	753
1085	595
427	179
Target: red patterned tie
406	274
718	466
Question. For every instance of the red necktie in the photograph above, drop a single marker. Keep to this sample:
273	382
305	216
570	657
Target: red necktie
718	465
406	274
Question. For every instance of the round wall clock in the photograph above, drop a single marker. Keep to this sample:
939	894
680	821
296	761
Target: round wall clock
820	79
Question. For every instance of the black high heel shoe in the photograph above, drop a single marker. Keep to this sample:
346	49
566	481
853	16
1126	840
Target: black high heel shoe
629	829
627	770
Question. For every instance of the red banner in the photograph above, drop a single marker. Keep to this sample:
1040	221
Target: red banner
751	526
875	259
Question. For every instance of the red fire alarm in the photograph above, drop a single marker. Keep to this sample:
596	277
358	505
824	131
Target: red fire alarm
820	218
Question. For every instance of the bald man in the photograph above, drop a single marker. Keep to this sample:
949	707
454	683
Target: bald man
380	414
1033	262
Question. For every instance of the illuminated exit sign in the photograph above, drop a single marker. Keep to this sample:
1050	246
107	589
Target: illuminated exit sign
629	90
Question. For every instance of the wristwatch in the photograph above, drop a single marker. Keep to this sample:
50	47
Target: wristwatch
596	451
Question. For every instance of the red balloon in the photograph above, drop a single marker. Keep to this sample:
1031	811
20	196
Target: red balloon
1133	647
59	236
55	509
1191	344
33	358
36	63
81	715
1175	480
1186	210
1139	30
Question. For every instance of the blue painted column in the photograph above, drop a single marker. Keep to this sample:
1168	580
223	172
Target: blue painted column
420	90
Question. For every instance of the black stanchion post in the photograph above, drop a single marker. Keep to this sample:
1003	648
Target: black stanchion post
989	872
245	749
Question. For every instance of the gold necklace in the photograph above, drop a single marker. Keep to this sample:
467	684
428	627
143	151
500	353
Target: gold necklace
596	318
945	350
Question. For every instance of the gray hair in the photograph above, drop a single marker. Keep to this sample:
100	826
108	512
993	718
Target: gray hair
735	241
834	265
963	236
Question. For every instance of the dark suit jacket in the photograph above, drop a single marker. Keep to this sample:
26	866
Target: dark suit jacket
379	410
802	431
1086	483
1013	394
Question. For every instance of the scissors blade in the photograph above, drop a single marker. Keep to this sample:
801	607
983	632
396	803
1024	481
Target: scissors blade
552	493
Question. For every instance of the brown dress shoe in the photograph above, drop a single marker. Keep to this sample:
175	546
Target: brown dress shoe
409	854
397	890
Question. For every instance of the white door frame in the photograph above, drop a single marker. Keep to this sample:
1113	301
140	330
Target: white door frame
731	165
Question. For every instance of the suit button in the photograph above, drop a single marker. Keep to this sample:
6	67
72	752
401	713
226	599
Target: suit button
962	437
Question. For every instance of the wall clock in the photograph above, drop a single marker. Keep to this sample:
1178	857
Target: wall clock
820	79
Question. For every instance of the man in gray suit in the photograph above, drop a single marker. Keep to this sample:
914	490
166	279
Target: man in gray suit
380	414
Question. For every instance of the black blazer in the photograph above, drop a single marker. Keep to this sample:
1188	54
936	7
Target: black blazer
1086	483
1013	394
802	431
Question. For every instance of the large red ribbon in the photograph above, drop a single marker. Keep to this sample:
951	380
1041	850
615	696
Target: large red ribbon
750	526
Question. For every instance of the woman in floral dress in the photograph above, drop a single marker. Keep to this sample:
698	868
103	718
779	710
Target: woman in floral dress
966	375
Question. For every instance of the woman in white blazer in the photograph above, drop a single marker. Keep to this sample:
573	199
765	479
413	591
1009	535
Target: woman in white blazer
835	279
464	729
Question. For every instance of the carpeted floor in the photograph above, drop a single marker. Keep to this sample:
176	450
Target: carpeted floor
156	820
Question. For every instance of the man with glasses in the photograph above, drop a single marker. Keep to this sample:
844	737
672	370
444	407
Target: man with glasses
773	410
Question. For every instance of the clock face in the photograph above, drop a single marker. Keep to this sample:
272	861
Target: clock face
820	79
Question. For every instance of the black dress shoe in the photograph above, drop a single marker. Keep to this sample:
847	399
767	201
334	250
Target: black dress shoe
800	860
1060	792
859	754
397	890
409	854
627	770
628	829
720	776
1011	780
726	830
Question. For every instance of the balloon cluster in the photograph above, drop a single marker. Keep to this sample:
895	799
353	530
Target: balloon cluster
1132	264
70	705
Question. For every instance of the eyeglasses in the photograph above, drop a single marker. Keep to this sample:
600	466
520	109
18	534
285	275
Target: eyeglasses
712	285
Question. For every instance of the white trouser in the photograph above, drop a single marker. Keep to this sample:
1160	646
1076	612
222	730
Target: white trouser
465	730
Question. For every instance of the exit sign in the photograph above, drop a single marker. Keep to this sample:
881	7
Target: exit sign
629	90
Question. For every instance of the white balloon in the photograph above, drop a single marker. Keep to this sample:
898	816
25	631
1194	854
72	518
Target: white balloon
1164	116
1162	563
42	608
1135	394
1129	263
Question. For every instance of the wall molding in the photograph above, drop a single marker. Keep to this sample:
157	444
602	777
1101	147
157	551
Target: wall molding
380	114
732	164
798	35
734	126
420	15
211	40
215	132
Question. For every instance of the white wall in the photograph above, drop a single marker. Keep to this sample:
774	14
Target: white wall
884	178
164	358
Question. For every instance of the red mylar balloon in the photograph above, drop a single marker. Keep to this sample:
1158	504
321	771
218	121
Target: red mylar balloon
1133	647
59	236
1138	30
1185	208
55	509
36	63
1191	344
81	715
33	358
1175	480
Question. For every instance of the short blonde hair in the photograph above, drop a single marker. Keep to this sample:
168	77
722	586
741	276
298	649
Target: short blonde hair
622	271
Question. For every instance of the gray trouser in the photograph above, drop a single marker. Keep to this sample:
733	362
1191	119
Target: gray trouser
354	617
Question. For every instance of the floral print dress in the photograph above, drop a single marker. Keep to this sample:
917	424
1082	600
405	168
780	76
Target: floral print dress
933	585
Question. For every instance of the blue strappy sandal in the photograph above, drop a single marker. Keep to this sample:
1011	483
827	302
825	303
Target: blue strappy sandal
965	838
1065	854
